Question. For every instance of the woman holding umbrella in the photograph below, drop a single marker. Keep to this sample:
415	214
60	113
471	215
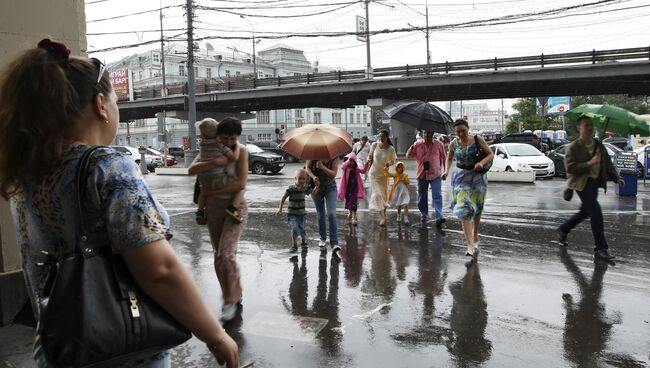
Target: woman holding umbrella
323	173
382	154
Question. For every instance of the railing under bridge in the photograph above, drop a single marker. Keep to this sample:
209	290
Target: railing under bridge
496	64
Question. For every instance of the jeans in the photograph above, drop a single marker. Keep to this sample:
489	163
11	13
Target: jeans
297	223
321	201
423	196
589	208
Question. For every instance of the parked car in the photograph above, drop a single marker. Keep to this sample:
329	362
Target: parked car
520	156
527	138
152	161
169	160
557	156
275	148
177	152
260	161
620	142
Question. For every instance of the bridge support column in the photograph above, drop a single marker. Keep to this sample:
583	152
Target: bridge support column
402	135
13	293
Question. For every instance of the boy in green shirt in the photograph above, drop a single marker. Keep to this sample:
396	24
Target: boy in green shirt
296	209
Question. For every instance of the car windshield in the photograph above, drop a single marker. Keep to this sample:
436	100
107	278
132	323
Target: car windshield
523	150
153	151
253	148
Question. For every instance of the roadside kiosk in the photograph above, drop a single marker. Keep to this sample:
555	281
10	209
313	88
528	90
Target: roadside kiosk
626	164
646	164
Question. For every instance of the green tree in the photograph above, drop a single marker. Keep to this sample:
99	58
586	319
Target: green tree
636	104
527	110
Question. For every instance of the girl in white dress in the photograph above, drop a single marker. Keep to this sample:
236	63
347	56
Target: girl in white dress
382	154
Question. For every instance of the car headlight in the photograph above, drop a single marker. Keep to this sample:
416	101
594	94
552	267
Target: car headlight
551	166
269	160
522	165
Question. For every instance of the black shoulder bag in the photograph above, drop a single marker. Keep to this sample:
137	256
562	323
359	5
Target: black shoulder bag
480	155
92	312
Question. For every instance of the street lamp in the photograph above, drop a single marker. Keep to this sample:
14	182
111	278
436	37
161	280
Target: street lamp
253	34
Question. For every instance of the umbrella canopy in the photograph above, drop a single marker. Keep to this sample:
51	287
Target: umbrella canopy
611	118
317	142
421	115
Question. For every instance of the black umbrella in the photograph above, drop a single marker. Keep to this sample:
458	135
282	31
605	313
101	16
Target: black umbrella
421	115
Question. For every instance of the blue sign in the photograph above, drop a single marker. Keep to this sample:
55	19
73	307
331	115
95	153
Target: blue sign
625	162
646	164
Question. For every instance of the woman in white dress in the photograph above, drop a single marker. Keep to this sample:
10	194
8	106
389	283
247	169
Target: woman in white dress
382	154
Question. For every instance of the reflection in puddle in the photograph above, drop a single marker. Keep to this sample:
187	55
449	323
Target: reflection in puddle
282	326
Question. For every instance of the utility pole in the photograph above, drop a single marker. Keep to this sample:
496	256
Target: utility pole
426	15
369	65
162	54
191	91
253	36
502	115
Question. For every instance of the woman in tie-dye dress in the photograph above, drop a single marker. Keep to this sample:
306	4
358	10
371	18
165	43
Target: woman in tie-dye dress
468	185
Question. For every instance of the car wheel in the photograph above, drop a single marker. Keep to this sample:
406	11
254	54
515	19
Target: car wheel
258	168
509	169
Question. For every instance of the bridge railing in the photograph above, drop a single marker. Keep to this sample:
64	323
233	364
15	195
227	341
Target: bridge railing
496	64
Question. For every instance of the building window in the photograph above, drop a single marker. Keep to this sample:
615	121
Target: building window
336	118
263	136
237	74
264	117
351	118
181	70
196	71
208	73
317	118
358	118
227	73
155	57
298	113
260	74
365	118
299	122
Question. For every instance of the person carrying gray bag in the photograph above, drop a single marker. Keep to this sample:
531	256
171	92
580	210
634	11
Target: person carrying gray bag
588	168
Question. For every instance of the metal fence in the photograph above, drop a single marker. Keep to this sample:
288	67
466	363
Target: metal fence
496	64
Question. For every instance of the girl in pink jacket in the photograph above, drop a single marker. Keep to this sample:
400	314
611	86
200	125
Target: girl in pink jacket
351	185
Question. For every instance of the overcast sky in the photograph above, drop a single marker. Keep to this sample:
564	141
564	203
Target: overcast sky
608	25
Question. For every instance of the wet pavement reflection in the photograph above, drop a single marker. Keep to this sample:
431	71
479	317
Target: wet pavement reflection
406	296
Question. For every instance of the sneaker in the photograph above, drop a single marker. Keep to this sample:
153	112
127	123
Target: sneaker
562	237
440	221
603	254
201	219
228	312
423	218
294	249
406	221
234	213
322	243
399	218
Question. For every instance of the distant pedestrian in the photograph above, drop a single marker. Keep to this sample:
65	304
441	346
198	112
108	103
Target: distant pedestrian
399	193
351	188
323	174
588	167
211	148
382	154
362	149
469	186
296	210
430	156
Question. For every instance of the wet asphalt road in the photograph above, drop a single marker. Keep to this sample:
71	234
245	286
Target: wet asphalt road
407	296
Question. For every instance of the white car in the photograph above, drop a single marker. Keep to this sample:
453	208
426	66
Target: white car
521	157
152	161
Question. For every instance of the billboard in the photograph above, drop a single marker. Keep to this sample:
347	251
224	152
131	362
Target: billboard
553	105
121	81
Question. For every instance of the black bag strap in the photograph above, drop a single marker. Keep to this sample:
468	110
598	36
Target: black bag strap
86	248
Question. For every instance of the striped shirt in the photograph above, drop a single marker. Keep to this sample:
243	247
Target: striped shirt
296	197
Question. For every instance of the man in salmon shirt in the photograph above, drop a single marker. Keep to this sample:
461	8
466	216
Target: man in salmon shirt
430	156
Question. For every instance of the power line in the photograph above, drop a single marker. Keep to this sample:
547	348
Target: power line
132	14
135	31
275	16
281	7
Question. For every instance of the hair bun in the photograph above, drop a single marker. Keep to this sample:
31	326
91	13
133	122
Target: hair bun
57	49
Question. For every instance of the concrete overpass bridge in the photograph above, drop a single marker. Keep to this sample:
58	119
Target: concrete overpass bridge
622	71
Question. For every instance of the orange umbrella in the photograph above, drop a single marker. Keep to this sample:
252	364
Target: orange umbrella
317	142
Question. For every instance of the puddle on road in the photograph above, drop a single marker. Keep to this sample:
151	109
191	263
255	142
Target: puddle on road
286	327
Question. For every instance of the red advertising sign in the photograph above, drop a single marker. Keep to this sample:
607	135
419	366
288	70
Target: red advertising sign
121	84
